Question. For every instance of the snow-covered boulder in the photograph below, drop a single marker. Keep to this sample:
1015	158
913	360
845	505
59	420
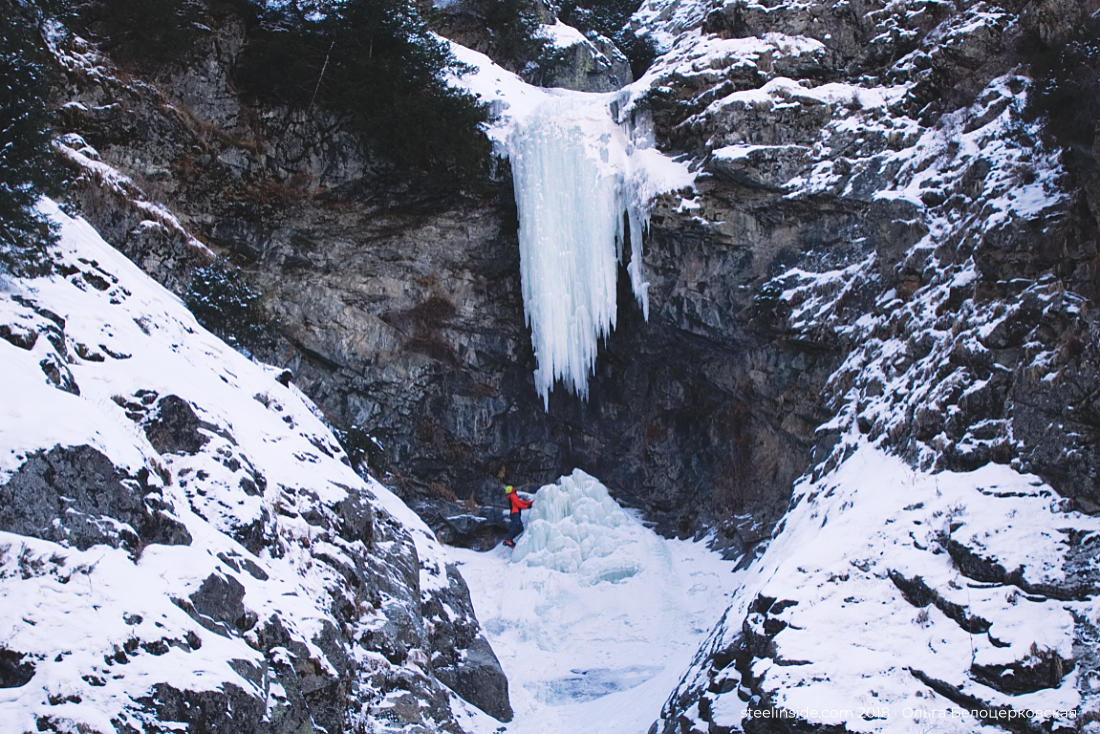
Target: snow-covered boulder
591	63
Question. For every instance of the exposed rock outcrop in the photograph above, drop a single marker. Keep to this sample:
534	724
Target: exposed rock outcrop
77	496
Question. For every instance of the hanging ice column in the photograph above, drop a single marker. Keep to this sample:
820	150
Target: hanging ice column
574	180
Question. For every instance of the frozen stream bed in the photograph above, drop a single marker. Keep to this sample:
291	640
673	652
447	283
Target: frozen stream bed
594	617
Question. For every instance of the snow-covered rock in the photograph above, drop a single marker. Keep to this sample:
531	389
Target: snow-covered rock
184	544
892	599
584	63
907	213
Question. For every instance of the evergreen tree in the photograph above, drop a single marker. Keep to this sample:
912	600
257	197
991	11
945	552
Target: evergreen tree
514	25
375	63
223	301
27	166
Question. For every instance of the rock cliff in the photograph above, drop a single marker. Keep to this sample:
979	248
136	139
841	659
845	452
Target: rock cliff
397	301
183	541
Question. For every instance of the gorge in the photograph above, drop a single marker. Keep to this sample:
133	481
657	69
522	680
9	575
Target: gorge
817	290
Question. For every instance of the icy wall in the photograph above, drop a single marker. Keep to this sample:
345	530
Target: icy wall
570	165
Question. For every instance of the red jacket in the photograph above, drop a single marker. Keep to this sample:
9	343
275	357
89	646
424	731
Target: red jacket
518	503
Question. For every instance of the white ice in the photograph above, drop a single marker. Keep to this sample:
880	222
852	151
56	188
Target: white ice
584	185
569	163
594	617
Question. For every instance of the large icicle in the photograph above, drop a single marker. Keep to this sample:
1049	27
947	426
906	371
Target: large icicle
571	168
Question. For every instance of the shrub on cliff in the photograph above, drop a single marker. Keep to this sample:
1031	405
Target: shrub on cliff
1067	89
375	64
27	167
223	301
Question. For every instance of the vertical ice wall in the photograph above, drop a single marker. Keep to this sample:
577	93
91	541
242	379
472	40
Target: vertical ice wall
571	166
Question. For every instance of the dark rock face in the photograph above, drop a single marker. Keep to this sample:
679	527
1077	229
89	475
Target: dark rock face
217	603
462	658
77	496
206	708
478	523
173	427
400	310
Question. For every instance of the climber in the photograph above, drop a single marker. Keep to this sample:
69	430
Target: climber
515	526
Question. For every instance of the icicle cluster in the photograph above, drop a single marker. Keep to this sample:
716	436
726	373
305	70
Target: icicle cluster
571	171
576	527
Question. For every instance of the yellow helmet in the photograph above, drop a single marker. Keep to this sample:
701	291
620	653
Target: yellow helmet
509	488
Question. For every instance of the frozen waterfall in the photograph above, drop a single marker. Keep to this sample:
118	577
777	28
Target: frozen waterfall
579	192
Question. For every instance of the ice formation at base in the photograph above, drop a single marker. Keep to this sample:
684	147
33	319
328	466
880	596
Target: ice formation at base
593	616
578	201
576	527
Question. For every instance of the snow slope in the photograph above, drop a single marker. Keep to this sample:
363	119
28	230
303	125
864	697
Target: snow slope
893	600
222	558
